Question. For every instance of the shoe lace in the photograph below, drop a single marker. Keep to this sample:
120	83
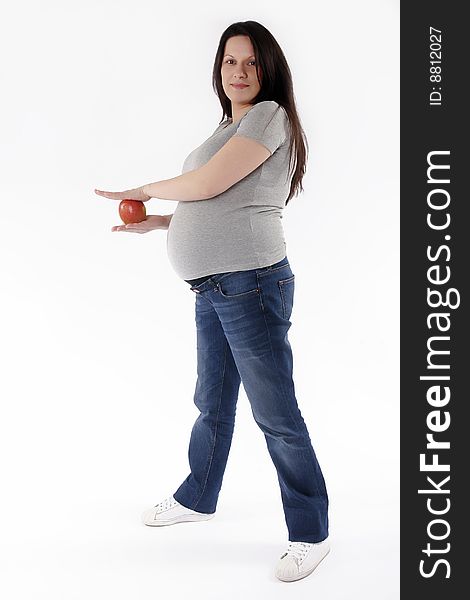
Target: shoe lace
298	550
165	504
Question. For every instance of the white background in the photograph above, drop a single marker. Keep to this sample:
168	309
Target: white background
98	334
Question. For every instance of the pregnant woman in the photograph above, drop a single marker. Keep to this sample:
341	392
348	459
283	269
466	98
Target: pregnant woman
225	239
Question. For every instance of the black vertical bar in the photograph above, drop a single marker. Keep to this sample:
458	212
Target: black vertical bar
434	270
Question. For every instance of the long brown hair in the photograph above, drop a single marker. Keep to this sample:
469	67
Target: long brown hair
276	85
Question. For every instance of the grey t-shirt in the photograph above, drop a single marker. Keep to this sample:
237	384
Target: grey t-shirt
241	228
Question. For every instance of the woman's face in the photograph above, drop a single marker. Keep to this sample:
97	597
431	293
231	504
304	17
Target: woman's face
239	66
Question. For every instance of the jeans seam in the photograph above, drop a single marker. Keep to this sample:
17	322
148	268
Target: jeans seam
260	295
301	430
283	294
209	462
277	372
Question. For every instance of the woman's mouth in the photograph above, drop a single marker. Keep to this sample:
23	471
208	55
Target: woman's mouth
239	86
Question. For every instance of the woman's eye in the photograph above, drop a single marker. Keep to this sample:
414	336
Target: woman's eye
231	60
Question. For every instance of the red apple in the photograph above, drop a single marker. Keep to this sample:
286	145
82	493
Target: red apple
132	211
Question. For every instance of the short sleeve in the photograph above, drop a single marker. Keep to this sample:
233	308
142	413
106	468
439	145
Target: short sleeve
266	123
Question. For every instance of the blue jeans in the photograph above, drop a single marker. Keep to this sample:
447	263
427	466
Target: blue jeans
242	320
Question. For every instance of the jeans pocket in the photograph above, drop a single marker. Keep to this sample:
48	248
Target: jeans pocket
225	293
286	289
238	284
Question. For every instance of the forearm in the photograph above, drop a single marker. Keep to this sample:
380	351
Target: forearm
188	187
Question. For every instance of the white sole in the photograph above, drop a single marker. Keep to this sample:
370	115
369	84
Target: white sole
289	579
181	519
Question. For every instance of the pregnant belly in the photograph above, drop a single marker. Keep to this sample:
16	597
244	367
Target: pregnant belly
202	237
206	238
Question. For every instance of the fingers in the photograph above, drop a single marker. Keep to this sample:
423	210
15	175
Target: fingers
113	195
129	227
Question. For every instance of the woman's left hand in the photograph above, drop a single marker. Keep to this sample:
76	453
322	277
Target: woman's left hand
150	223
135	194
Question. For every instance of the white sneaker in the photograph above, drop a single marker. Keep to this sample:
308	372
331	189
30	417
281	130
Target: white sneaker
300	559
169	512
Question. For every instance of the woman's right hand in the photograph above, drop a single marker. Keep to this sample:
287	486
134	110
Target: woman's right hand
150	223
134	194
